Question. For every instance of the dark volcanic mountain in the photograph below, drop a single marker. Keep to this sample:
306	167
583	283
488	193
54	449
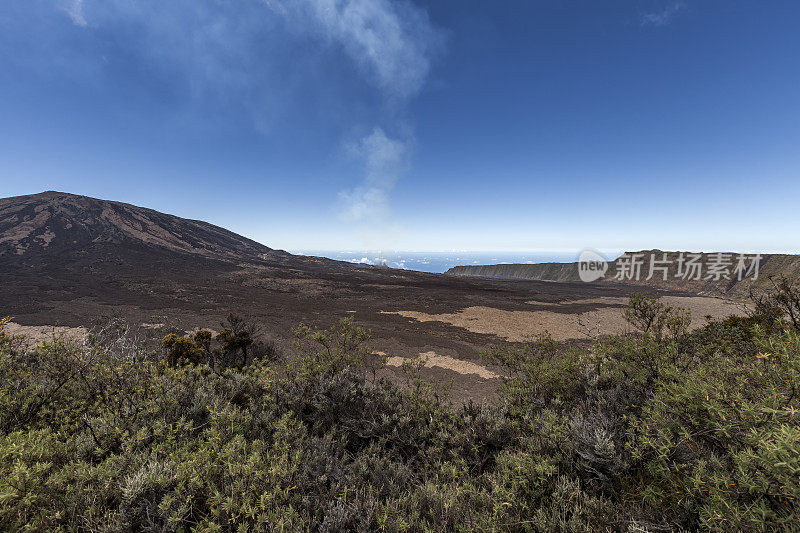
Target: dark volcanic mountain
66	258
55	224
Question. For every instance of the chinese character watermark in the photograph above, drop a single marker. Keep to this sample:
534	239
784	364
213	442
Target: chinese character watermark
662	266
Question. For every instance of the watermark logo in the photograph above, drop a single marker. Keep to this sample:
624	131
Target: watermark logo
591	266
635	267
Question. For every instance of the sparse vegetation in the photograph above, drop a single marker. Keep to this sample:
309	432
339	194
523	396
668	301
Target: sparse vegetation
650	315
238	345
661	430
780	300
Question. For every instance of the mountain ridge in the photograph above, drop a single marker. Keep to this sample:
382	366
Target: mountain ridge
53	223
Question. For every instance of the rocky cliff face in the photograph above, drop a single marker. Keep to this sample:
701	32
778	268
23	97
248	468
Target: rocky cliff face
671	270
539	271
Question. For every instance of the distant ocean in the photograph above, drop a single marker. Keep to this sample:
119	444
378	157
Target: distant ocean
441	261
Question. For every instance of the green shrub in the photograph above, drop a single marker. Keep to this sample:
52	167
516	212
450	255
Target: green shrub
182	350
643	432
650	315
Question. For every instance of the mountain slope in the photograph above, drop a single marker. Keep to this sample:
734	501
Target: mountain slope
68	260
54	224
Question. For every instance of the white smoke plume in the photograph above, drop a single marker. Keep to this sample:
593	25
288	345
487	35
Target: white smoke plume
392	42
383	159
237	51
75	11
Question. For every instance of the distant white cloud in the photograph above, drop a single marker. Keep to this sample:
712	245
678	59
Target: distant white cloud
364	203
247	50
393	41
383	160
251	55
664	16
75	11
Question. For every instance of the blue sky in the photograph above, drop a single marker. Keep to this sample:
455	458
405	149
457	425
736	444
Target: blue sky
398	124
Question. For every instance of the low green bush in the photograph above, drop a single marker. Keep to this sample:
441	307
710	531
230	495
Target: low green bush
659	430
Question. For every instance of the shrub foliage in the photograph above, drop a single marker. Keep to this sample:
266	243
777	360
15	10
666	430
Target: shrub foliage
659	430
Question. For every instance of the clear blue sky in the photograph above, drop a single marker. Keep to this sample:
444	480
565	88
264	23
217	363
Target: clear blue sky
399	124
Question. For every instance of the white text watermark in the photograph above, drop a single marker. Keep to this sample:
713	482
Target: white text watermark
688	266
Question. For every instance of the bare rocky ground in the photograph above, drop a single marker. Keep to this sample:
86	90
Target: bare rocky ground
73	261
452	321
561	324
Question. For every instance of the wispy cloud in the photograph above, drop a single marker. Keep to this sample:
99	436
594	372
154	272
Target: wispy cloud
382	159
244	45
392	41
75	11
663	16
250	55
